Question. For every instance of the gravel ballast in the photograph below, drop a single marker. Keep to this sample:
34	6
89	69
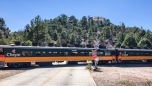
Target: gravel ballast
124	75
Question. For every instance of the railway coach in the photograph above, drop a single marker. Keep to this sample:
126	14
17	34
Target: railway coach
134	55
15	56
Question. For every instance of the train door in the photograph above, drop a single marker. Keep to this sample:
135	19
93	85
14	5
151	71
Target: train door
2	57
113	54
117	54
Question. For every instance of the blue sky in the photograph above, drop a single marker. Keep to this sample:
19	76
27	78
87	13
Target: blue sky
18	13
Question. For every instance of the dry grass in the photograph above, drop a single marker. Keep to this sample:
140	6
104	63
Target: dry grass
89	67
126	83
149	82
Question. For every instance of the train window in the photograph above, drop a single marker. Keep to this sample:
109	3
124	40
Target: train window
124	53
24	53
30	53
100	53
131	53
43	53
147	54
90	53
38	53
74	53
50	53
137	54
1	51
142	54
64	53
83	53
107	53
27	53
55	53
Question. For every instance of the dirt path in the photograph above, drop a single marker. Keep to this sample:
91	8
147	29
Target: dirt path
124	75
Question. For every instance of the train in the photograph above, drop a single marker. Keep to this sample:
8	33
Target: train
23	56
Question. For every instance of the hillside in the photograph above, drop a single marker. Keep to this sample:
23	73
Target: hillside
64	29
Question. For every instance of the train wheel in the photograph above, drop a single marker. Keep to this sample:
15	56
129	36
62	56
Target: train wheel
119	61
149	61
99	62
44	63
10	65
75	62
26	64
72	62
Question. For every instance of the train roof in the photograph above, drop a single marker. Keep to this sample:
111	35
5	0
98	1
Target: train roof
135	50
43	47
78	48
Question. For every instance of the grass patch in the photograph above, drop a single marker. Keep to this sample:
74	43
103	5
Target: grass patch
149	82
88	67
127	83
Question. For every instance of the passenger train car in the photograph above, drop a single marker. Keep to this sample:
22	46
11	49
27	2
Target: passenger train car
127	55
15	56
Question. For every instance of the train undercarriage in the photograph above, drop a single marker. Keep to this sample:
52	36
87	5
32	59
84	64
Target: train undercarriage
20	64
100	62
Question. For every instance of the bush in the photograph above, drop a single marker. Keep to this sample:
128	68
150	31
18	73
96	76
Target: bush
29	42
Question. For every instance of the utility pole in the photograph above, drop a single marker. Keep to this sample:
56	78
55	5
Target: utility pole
96	43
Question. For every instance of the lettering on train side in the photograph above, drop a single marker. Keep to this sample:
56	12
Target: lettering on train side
13	53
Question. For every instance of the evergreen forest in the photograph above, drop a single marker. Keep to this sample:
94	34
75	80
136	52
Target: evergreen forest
68	29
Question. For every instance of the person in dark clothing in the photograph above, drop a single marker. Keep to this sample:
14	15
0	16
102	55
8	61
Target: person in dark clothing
1	52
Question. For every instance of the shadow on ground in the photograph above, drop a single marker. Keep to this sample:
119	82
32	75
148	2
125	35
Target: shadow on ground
81	65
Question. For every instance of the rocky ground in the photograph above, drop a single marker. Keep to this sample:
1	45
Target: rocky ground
124	75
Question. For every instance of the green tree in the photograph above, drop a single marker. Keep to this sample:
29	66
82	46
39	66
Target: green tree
55	36
84	21
73	20
63	20
63	35
37	31
101	38
120	40
4	32
129	41
139	35
148	35
144	42
29	42
73	39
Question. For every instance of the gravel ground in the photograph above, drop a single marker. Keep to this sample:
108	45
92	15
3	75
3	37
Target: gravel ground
110	75
124	75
